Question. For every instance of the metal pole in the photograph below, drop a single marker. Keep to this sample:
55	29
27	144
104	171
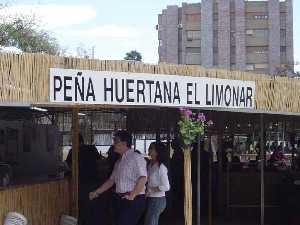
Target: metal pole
199	182
92	131
145	145
134	142
220	175
210	215
262	167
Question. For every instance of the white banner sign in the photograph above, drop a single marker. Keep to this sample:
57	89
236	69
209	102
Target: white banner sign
141	89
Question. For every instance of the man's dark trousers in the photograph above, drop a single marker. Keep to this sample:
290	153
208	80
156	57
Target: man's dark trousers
129	212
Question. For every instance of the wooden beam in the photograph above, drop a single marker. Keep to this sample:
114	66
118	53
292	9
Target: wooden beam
75	175
188	209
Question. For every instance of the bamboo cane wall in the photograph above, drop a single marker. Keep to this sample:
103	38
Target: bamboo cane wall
41	204
24	77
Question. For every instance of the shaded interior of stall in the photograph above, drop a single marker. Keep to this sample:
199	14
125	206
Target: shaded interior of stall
34	145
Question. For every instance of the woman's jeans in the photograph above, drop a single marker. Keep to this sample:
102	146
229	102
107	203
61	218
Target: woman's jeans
155	206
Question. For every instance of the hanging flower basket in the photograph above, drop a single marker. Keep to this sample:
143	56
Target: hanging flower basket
191	125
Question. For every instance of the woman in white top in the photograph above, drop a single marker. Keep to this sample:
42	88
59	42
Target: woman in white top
158	183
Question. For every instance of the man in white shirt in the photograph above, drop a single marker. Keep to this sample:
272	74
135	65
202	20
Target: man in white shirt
130	176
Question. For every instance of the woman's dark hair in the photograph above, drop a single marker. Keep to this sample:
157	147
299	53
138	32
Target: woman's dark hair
162	153
124	135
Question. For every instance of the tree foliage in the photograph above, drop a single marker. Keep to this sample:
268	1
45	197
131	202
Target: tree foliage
25	33
133	55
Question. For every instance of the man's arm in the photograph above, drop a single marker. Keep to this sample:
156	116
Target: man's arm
141	173
104	187
139	187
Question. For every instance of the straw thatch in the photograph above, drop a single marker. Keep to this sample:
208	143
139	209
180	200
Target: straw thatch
25	78
41	204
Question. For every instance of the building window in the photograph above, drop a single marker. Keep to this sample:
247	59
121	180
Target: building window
283	35
193	59
257	49
261	17
232	55
258	33
192	18
249	67
232	37
193	50
261	33
249	32
260	52
282	19
283	48
193	35
261	66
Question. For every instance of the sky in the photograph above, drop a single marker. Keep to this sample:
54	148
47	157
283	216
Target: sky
112	27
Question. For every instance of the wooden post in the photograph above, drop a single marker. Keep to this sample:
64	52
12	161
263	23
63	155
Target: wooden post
262	167
188	210
75	175
199	181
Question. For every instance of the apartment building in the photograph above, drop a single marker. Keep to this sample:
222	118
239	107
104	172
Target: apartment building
231	34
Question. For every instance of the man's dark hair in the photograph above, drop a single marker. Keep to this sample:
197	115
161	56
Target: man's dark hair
124	135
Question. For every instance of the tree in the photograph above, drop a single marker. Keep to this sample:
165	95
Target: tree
24	33
133	55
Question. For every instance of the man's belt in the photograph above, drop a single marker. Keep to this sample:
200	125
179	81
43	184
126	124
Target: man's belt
123	194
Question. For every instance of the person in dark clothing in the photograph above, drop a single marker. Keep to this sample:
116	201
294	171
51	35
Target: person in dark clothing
290	196
236	164
204	172
69	157
176	171
112	158
87	161
90	213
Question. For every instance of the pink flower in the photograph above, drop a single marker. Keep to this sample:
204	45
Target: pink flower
181	109
186	112
201	117
210	122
